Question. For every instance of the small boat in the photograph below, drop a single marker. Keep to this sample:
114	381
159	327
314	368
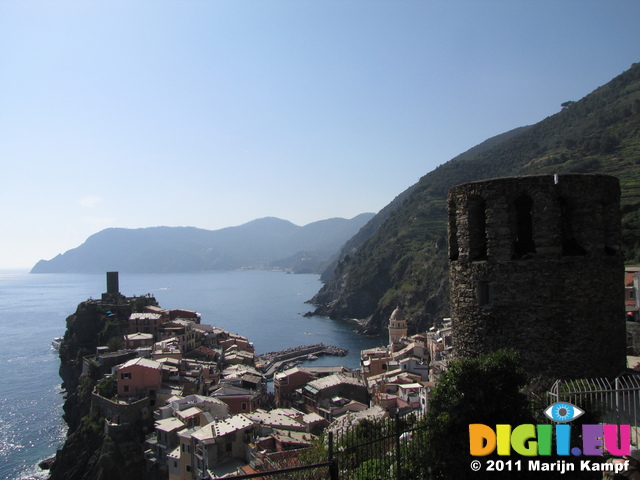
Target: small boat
56	343
312	357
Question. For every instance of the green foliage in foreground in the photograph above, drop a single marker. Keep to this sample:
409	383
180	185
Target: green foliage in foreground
486	389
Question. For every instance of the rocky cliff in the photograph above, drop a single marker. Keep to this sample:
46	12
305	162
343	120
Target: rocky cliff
89	454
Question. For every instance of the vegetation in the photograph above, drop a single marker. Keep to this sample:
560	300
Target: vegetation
107	387
405	261
486	390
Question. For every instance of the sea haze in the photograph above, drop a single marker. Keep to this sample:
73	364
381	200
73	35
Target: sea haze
267	307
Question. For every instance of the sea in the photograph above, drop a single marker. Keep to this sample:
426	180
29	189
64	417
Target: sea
265	306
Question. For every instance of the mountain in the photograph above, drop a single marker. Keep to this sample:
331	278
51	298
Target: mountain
263	243
400	257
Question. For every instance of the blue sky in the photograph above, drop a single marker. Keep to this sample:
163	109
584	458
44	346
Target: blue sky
213	113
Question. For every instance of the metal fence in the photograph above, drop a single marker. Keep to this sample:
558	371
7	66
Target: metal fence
614	401
372	449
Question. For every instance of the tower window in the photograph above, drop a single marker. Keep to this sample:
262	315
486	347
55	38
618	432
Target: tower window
570	245
484	294
477	229
524	243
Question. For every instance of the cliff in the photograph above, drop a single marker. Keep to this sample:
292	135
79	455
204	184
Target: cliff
400	257
89	454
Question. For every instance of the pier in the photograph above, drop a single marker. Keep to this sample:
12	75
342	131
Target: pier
273	361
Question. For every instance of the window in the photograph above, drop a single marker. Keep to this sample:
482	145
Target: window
524	243
569	218
125	376
243	406
485	294
228	447
477	229
185	447
632	294
125	388
188	468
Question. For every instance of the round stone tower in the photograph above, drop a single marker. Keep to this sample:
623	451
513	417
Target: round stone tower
535	264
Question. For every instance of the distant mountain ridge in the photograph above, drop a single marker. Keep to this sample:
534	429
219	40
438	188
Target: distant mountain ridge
399	258
265	243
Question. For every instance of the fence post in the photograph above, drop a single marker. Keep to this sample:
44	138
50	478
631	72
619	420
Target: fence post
398	456
333	467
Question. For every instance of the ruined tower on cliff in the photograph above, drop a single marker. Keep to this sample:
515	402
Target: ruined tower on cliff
535	264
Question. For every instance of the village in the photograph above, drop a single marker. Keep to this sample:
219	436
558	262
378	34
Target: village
201	393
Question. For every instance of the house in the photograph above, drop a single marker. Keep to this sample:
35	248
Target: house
216	442
373	361
205	373
631	294
139	377
216	408
190	315
324	395
146	322
138	340
158	446
239	400
238	341
234	356
167	348
278	419
285	385
193	417
181	330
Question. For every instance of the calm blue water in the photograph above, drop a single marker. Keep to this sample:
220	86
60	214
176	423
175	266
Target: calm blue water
267	307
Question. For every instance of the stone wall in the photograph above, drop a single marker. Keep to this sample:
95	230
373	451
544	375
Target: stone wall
123	412
535	264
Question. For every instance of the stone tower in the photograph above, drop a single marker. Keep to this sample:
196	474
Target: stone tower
397	327
535	264
113	286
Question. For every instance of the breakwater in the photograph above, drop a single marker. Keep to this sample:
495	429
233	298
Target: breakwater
271	362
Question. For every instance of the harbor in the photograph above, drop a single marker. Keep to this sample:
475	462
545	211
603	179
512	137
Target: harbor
272	362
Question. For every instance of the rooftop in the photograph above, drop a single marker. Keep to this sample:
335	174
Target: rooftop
219	428
142	362
333	380
169	424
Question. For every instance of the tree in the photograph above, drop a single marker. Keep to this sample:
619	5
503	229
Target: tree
486	390
115	343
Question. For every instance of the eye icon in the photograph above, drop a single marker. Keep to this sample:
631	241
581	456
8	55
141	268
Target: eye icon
563	412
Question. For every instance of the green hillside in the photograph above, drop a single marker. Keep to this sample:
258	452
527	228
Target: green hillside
404	262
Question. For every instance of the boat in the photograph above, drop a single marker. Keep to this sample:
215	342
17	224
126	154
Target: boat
56	343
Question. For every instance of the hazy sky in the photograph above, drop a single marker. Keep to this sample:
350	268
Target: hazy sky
213	113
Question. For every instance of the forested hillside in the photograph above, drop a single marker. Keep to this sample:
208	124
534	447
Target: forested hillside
404	262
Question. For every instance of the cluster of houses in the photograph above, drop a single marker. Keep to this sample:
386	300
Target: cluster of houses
206	407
